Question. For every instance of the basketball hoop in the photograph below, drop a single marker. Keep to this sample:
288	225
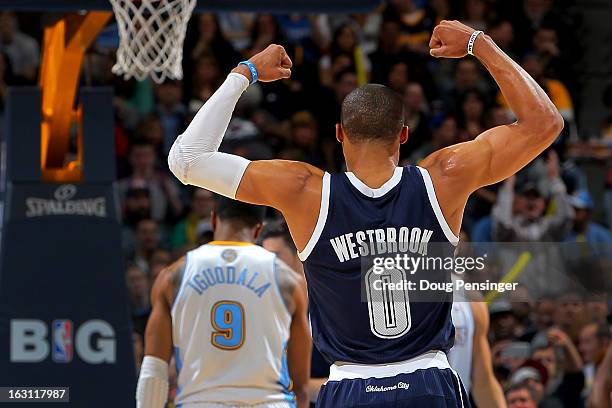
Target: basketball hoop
151	34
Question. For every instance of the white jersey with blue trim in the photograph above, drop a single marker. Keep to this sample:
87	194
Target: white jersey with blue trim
230	328
460	356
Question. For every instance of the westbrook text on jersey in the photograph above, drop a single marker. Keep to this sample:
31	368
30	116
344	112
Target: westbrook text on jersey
381	241
210	277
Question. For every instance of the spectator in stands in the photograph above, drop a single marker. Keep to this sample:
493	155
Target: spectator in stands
533	15
208	39
530	224
151	130
163	191
398	77
327	110
296	27
593	342
206	78
390	50
556	90
535	376
467	77
598	308
236	27
503	322
136	207
159	260
471	116
546	46
345	52
544	315
416	118
184	235
476	14
565	378
416	23
147	241
138	285
444	134
502	32
170	109
276	238
22	50
571	313
305	136
584	229
521	396
265	31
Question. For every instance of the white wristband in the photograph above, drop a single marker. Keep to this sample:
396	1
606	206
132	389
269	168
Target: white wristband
152	387
472	40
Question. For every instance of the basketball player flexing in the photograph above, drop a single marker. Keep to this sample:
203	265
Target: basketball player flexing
237	318
336	219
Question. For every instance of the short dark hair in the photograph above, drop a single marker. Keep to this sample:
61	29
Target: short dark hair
372	112
228	209
278	229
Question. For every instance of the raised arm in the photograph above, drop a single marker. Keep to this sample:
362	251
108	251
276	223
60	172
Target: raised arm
459	170
291	187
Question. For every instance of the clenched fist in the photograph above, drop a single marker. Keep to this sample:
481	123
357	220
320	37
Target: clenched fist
271	64
450	39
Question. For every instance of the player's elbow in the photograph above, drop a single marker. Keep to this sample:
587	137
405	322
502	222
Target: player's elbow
556	124
176	163
545	127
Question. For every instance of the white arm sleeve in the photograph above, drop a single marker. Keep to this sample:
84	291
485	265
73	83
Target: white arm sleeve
194	158
152	388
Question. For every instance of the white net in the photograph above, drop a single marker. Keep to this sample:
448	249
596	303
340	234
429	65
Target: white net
151	34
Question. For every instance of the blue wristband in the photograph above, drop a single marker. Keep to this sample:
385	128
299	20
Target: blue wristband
251	67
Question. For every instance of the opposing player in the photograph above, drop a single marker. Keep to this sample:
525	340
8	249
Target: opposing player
471	354
234	317
276	238
383	357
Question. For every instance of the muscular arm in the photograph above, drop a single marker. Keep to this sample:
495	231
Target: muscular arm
486	390
194	157
152	389
300	344
459	170
158	334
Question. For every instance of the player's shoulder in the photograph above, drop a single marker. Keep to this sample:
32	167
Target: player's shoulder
288	281
169	279
286	272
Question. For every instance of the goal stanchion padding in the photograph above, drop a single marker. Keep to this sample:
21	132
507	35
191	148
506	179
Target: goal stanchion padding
64	318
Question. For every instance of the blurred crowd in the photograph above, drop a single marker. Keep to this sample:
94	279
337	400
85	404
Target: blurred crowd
545	350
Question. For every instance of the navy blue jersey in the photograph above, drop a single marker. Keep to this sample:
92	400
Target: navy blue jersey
355	224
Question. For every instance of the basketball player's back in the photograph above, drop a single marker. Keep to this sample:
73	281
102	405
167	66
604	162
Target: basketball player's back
235	319
230	326
371	130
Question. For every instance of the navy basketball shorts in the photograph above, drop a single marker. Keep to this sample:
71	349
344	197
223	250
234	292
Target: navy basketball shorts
426	381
